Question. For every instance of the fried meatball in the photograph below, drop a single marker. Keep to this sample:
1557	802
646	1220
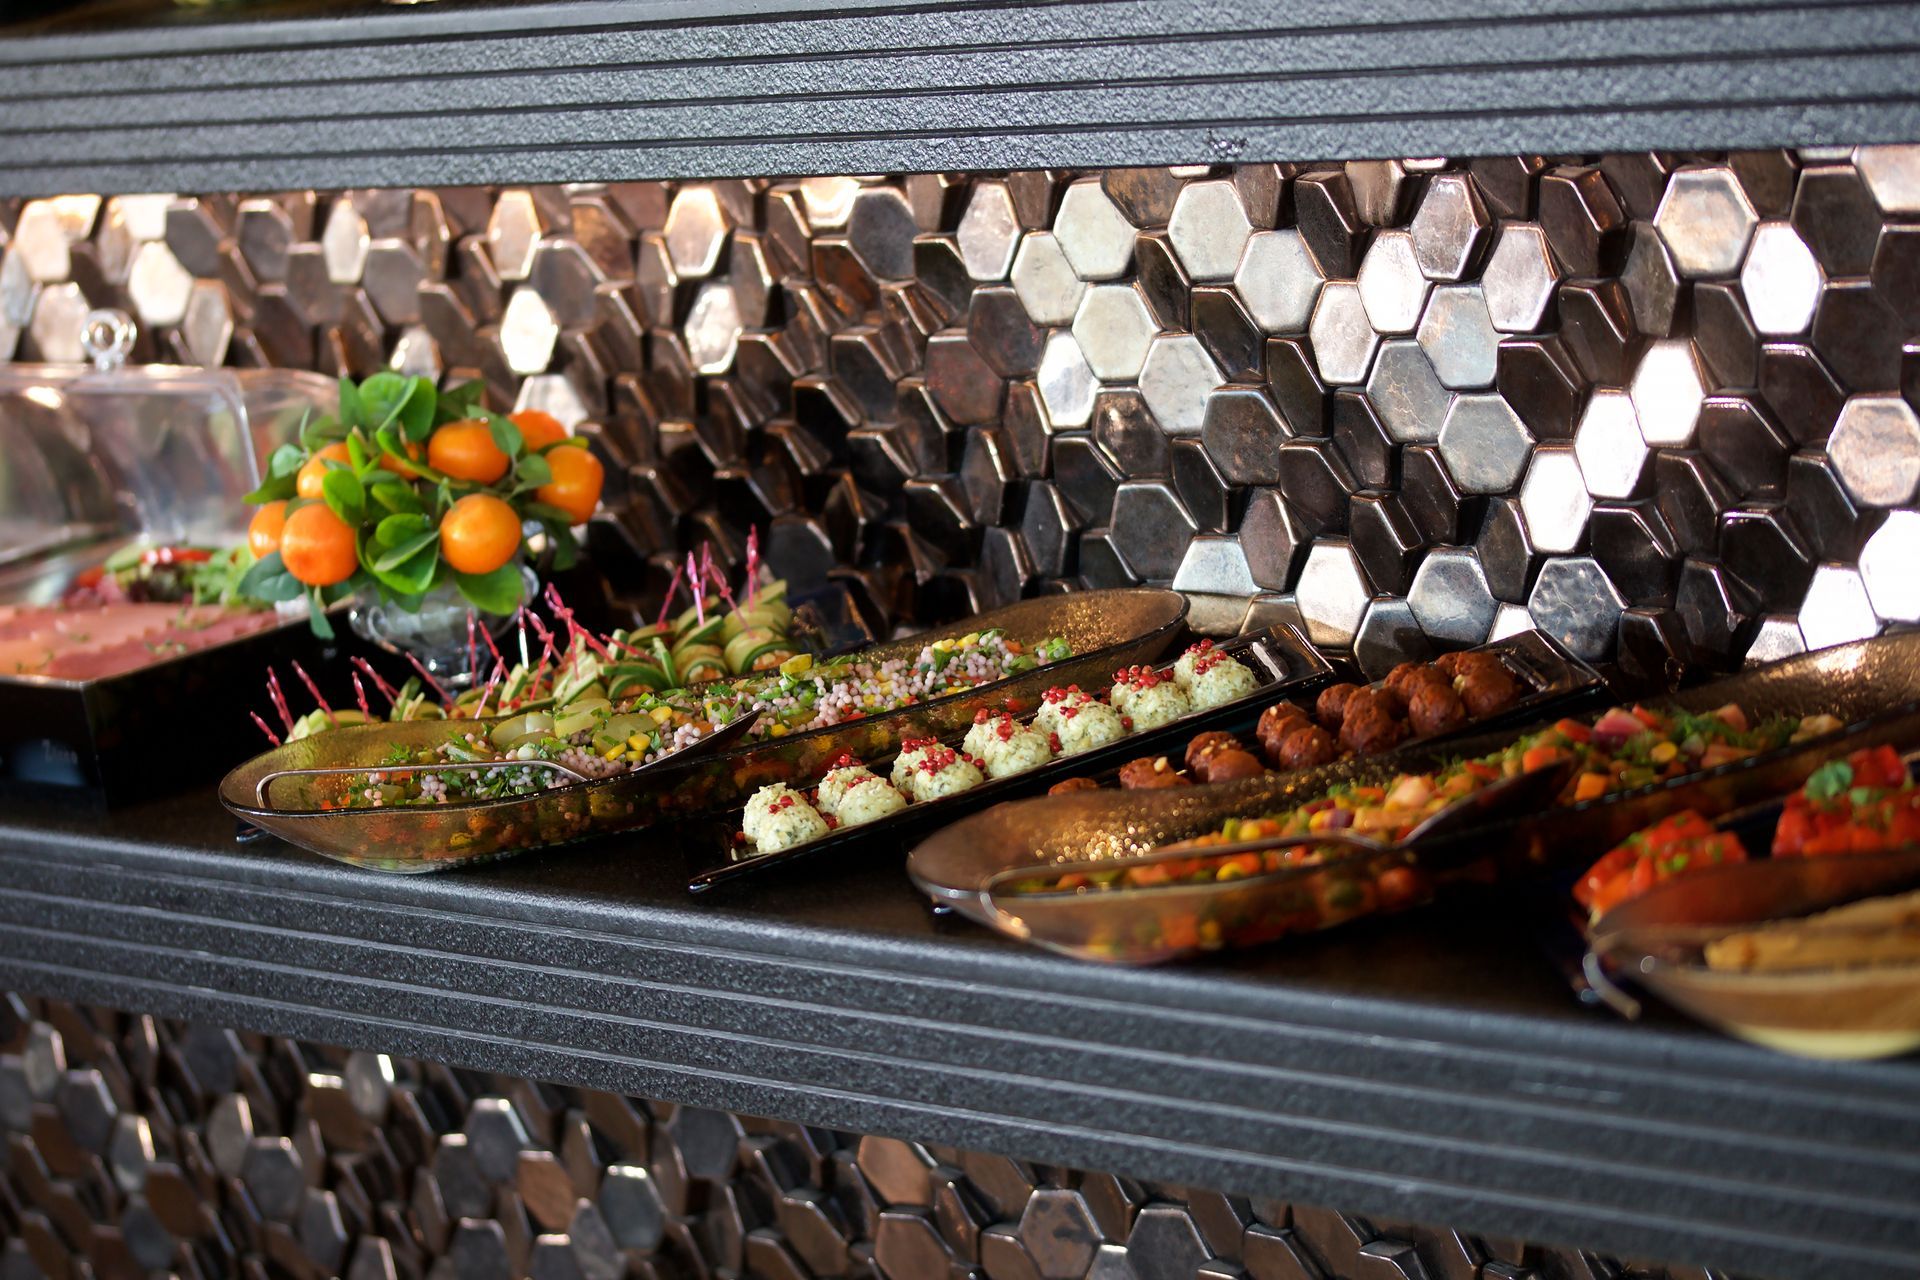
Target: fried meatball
1203	745
1308	746
1448	664
1407	678
1151	773
1230	764
1370	728
1488	690
1276	722
1331	705
1364	700
1436	709
1071	785
1477	660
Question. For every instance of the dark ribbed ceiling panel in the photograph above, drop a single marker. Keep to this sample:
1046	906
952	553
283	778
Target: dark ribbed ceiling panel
546	93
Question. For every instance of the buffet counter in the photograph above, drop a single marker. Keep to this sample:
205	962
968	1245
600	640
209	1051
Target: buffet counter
1433	1069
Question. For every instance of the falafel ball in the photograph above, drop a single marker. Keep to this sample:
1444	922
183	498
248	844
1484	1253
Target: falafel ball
1488	690
1436	709
1371	728
1203	745
1276	722
1151	773
1406	678
1331	706
1308	747
1230	764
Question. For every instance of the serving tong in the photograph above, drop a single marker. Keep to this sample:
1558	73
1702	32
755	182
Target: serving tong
1065	920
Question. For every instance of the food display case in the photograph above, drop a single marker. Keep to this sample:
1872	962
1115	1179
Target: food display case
1455	406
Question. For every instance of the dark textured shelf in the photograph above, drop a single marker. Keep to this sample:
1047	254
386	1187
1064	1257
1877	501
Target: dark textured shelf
603	91
1432	1069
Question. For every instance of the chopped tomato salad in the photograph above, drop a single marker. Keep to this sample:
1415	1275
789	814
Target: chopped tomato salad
1863	804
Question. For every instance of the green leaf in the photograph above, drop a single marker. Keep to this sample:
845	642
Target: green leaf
412	575
286	461
404	551
269	580
456	404
1829	780
317	616
396	495
274	489
415	414
534	472
497	592
506	436
545	513
566	551
349	400
380	399
321	432
396	529
345	495
357	452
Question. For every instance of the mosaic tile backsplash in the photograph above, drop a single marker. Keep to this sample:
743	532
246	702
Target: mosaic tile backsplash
141	1146
1661	406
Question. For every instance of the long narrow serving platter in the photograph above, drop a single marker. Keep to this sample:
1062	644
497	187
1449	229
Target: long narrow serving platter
305	791
1281	662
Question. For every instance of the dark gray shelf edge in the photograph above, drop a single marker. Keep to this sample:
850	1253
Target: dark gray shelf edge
1838	82
178	968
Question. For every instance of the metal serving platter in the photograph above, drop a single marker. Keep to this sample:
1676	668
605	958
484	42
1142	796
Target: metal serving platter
1106	629
1872	686
1281	659
1556	684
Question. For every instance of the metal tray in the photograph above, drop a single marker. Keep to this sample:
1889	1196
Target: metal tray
1872	686
1106	629
1281	659
1557	683
117	739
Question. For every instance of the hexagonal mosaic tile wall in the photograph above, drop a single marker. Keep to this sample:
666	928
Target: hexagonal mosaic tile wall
1658	405
140	1146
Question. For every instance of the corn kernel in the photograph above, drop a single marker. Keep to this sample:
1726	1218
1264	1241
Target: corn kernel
1664	752
778	731
613	752
661	714
638	743
971	638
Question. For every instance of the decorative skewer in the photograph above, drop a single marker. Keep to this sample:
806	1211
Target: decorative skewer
699	590
439	689
314	689
279	697
753	563
360	696
272	737
666	605
391	694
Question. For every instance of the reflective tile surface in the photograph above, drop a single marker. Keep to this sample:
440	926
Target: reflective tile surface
1648	400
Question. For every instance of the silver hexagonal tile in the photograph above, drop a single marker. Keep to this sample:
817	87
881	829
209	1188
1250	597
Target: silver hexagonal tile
1332	593
1066	381
1778	637
158	285
1216	566
1890	566
1343	339
1044	280
416	354
1706	220
1837	609
1875	449
553	393
207	327
989	231
57	319
41	244
1209	229
1391	285
513	232
345	243
1611	451
1575	602
713	327
1458	337
1450	597
696	231
1484	444
1114	330
528	332
1892	174
1519	278
1279	281
1271	537
1093	233
1667	390
1449	227
17	290
1509	620
1651	281
828	201
1781	280
1554	499
1176	380
1406	393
